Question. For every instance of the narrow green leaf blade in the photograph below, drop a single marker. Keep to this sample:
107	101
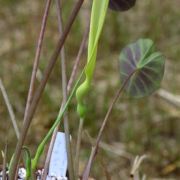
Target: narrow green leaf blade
27	157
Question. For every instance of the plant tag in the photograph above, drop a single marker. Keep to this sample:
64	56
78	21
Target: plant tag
58	161
56	178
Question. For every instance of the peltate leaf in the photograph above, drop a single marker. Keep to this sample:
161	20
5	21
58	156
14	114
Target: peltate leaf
144	64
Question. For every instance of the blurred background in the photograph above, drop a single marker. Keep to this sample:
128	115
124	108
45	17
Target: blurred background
148	126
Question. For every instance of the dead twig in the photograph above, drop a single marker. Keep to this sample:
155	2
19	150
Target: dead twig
10	109
64	90
169	97
37	57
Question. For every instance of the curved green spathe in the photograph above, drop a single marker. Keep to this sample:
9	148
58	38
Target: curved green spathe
98	13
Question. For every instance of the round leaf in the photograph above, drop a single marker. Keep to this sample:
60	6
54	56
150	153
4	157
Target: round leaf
144	64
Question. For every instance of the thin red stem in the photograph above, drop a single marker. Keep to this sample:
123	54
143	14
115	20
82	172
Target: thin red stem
95	148
37	57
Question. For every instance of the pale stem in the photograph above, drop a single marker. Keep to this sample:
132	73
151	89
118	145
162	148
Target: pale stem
78	146
10	109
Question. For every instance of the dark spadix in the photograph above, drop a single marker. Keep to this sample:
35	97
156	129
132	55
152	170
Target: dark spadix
121	5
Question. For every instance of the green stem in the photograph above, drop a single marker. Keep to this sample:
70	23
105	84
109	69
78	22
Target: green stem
41	147
27	161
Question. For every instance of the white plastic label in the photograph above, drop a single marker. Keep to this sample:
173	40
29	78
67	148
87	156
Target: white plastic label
58	161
